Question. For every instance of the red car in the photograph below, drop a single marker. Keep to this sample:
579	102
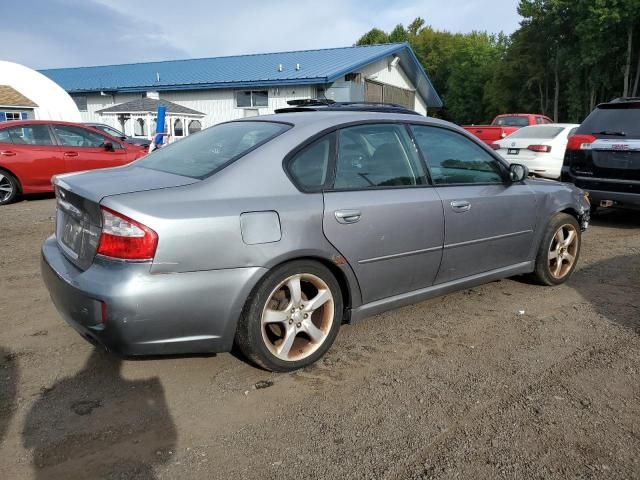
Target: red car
504	125
31	152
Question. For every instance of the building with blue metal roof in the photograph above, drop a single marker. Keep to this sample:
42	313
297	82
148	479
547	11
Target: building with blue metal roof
225	88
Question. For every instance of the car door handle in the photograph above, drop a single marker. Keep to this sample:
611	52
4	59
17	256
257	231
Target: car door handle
460	206
7	153
347	216
70	154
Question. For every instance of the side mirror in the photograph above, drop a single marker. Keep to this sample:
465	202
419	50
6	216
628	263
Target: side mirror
518	172
108	146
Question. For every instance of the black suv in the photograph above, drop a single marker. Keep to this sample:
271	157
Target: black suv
603	156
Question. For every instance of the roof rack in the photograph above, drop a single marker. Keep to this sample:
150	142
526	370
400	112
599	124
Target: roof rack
625	99
326	105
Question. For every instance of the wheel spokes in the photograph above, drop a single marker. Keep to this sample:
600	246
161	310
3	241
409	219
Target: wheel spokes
569	239
560	235
295	290
556	272
320	299
275	316
553	254
315	334
287	342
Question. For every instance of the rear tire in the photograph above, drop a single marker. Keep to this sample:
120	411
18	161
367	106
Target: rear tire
292	317
559	250
9	187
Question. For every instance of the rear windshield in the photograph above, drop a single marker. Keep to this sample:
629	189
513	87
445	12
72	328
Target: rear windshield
614	119
512	121
537	132
203	153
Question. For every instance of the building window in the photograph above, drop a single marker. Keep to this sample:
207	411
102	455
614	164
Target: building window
252	98
194	126
140	128
177	128
81	102
12	116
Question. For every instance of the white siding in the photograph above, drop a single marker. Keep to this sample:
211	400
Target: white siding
381	71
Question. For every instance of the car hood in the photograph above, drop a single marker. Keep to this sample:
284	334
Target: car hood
98	184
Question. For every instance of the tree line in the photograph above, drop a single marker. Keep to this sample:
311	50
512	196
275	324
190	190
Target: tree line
565	58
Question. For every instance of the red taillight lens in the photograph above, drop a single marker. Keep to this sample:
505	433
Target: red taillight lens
495	146
540	148
125	238
580	142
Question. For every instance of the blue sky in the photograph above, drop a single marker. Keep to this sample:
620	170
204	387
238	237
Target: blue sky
65	33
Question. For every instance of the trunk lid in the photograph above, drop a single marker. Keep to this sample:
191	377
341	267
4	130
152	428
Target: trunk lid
78	215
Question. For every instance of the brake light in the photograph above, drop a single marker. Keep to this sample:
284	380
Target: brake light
580	142
495	146
125	238
540	148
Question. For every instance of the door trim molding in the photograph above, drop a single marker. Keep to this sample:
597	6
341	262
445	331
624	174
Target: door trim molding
399	255
486	239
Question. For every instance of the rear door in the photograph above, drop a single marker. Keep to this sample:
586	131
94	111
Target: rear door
489	222
84	149
29	152
381	214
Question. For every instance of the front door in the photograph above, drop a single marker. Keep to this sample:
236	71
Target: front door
84	149
489	222
381	214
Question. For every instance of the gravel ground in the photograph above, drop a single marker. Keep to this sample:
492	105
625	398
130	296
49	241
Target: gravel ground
460	386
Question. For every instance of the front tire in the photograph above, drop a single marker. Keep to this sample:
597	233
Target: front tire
9	187
559	250
292	317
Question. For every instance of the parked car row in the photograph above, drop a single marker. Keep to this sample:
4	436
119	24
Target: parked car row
32	152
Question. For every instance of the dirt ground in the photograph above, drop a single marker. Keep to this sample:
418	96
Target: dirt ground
460	386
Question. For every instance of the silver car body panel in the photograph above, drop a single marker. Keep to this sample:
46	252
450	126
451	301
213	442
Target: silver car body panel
218	237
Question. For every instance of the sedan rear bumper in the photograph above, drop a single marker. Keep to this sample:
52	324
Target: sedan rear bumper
144	313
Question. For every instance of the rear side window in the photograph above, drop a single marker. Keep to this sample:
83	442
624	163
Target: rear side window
613	119
79	137
454	159
202	154
29	135
309	167
376	155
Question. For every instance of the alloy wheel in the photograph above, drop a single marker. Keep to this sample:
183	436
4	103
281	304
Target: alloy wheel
563	250
297	317
6	188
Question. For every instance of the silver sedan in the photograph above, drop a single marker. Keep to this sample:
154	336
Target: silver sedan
270	233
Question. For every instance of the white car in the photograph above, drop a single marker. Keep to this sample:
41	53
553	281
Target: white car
539	147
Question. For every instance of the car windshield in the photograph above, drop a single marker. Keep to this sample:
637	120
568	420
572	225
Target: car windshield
621	118
537	132
512	121
202	154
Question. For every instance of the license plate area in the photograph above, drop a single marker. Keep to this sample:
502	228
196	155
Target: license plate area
70	233
513	151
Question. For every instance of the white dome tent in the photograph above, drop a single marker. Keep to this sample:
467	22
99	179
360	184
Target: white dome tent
27	94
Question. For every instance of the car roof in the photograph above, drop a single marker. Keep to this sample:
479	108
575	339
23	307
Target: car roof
17	123
563	125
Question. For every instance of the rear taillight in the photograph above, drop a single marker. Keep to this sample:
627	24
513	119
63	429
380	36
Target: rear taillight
495	146
540	148
125	238
580	142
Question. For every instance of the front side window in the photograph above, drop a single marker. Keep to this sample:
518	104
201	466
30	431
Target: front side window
376	155
454	159
252	98
309	167
201	155
29	135
79	137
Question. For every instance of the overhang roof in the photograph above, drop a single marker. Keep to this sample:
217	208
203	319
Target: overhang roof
316	67
10	97
149	105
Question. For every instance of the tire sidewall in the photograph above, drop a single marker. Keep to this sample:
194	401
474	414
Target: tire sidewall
542	262
251	322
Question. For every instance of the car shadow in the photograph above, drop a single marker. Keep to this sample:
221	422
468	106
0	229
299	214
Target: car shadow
35	197
616	218
97	424
8	389
612	286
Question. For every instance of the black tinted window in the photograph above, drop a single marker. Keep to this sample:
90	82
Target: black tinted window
512	121
376	156
620	118
309	167
30	135
454	159
201	154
